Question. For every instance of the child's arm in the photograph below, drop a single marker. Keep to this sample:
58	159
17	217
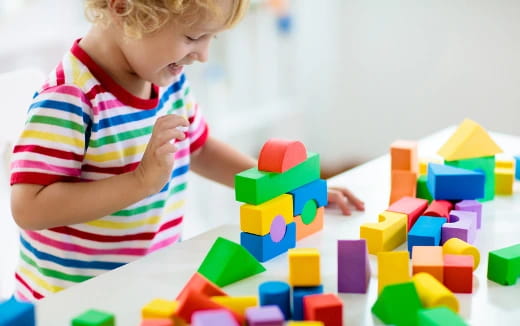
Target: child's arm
65	203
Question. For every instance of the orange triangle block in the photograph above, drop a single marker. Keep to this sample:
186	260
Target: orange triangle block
470	140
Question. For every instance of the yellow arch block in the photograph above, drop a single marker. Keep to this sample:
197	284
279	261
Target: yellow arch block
433	293
236	304
386	235
392	267
257	219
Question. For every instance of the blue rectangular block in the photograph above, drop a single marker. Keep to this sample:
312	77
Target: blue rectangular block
298	294
517	167
264	248
451	183
13	312
316	190
425	232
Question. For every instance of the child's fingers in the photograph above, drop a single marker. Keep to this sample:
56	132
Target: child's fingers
351	198
336	197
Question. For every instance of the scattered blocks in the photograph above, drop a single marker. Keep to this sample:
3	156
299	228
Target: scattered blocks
504	265
298	294
279	155
412	207
403	155
471	206
386	235
14	312
304	267
94	317
433	293
462	225
264	316
440	208
275	293
392	267
428	259
258	219
398	304
213	317
458	273
327	308
425	232
353	266
451	183
504	181
439	316
456	246
264	247
304	230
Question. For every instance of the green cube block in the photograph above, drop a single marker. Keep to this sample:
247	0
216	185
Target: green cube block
504	265
398	304
94	317
484	164
439	316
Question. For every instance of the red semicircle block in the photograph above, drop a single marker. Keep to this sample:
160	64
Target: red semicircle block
279	155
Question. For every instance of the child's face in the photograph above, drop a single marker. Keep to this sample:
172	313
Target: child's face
160	56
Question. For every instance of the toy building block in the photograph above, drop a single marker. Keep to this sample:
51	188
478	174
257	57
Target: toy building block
402	183
458	273
94	317
439	316
269	315
428	259
353	266
403	155
504	162
422	190
470	140
398	304
451	183
280	155
213	317
255	187
504	181
228	262
456	246
462	225
392	267
386	235
485	165
264	247
504	265
157	322
411	206
517	167
298	294
440	208
159	308
423	164
327	308
258	219
275	293
304	267
305	323
433	293
471	206
236	304
315	190
425	232
200	284
14	312
304	230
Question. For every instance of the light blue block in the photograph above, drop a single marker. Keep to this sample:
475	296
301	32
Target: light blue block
425	232
14	312
517	167
264	248
450	183
316	190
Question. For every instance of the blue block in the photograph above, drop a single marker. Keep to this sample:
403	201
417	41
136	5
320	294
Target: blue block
451	183
276	293
425	232
13	312
298	293
517	167
264	248
316	190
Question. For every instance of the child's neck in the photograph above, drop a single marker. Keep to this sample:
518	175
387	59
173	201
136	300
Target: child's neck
101	47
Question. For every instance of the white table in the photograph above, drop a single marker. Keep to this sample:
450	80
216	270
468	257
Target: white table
163	274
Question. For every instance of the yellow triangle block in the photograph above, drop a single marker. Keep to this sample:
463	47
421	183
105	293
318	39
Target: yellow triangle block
470	140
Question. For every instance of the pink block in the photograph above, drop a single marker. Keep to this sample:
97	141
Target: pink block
411	206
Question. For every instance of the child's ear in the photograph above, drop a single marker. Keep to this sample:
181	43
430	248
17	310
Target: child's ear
119	7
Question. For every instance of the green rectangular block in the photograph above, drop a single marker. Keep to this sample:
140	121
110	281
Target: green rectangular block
94	317
485	164
504	265
255	187
439	316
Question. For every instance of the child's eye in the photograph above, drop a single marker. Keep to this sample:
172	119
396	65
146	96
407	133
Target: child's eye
190	38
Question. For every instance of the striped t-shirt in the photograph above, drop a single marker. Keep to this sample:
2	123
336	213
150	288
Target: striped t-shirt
82	126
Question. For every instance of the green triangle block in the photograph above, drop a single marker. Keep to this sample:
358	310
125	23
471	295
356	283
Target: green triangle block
228	262
398	304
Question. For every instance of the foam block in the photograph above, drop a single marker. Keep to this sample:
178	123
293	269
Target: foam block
458	273
264	316
426	232
403	155
433	293
412	207
315	190
298	294
451	183
159	308
304	230
327	308
386	235
258	219
456	246
94	317
305	323
264	248
213	317
504	181
398	304
439	316
228	262
14	312
462	225
353	266
255	187
422	188
275	293
440	208
156	322
471	206
280	155
428	259
504	265
304	267
485	165
236	304
392	267
402	183
517	167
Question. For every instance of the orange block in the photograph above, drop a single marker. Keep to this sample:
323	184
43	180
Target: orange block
198	283
428	259
304	230
458	273
279	155
403	183
403	155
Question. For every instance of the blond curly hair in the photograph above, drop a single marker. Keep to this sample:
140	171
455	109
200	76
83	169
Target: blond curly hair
141	17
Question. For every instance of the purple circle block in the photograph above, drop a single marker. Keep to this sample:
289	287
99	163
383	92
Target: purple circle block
278	228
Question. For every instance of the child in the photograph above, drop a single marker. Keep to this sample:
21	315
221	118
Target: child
99	173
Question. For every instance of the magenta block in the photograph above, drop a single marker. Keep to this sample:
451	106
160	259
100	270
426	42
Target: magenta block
264	316
471	206
462	225
353	266
213	317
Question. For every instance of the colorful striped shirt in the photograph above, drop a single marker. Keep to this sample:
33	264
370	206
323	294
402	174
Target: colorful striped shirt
82	127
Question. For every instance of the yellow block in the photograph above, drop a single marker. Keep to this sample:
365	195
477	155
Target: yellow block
305	323
433	293
304	267
470	140
392	267
159	308
505	163
504	181
456	246
257	219
236	304
386	235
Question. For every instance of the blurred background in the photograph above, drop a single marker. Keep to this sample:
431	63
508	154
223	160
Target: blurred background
346	77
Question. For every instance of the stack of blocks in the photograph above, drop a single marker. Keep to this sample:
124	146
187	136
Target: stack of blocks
284	197
404	169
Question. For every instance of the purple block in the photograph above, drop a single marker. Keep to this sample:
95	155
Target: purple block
264	316
353	266
471	206
213	317
462	225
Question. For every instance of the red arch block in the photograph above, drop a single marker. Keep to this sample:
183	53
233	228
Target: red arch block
279	155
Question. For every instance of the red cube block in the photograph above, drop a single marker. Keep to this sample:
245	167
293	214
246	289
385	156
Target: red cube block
458	273
327	308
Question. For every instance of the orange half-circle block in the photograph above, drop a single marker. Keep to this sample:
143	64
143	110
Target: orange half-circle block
279	155
304	230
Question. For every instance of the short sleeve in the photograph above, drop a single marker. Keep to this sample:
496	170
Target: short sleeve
52	144
198	131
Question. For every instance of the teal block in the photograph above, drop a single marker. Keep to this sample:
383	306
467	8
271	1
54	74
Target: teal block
517	167
425	232
439	316
483	164
255	187
422	190
14	312
452	183
316	190
398	304
504	265
264	248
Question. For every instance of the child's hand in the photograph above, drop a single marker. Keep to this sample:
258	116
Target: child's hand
157	162
342	197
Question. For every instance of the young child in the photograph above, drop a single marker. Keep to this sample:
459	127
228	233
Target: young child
99	173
